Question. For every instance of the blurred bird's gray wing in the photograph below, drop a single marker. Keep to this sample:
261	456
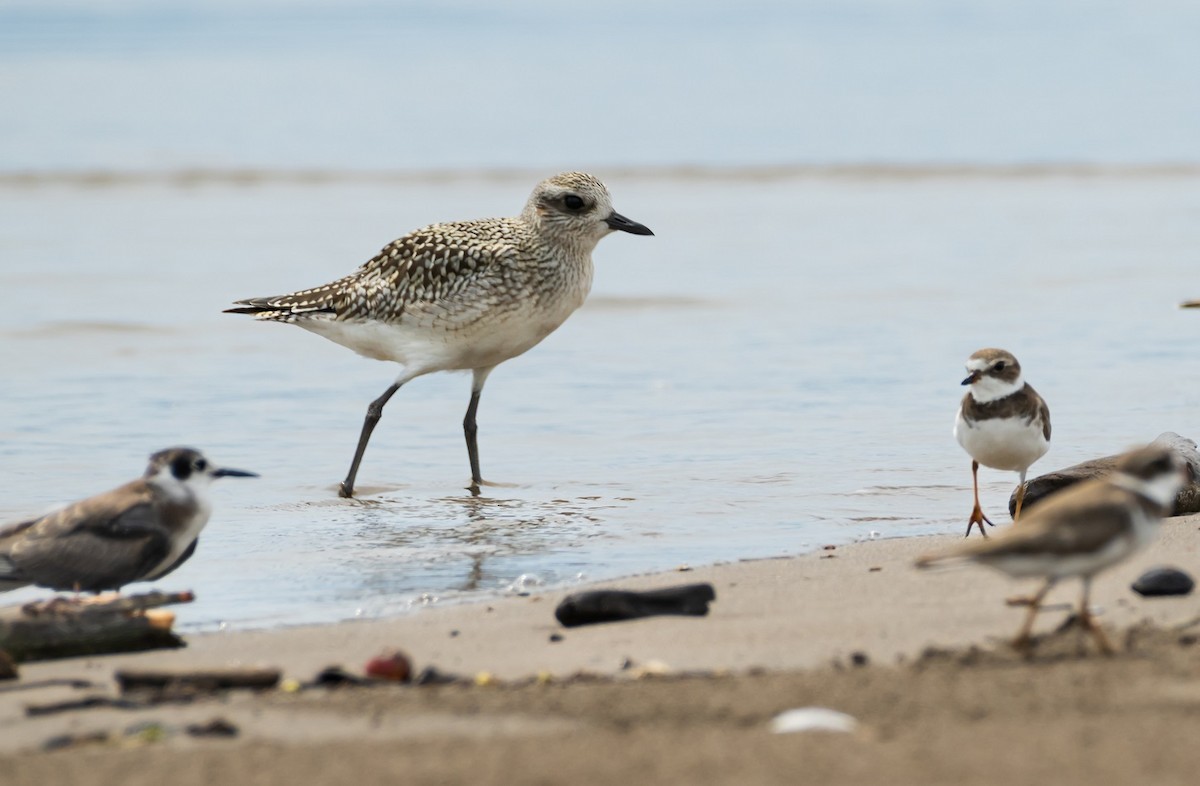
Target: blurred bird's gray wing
425	269
89	546
11	577
1082	519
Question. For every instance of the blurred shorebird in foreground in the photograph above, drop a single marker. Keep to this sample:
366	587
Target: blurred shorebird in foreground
466	295
140	531
1081	531
1002	423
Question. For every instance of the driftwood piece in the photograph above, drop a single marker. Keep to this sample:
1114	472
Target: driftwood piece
64	627
1188	500
207	681
586	608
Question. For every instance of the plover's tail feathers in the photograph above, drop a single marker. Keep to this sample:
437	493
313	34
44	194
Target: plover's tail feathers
959	554
287	308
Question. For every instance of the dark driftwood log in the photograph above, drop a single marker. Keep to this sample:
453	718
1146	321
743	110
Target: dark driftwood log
1043	486
586	608
198	681
67	627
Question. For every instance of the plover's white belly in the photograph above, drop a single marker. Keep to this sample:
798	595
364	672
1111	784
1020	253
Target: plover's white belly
1063	566
436	339
1002	443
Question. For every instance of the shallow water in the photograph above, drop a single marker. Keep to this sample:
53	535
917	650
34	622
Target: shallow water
777	369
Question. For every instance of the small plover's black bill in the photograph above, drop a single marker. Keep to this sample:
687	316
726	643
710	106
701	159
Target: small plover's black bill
465	295
1081	531
1002	423
140	531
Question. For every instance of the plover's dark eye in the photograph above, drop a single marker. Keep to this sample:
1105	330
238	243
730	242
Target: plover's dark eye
181	468
1000	366
573	202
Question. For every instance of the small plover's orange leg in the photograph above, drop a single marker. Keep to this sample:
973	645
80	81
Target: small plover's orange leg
1088	622
1024	640
977	516
1020	498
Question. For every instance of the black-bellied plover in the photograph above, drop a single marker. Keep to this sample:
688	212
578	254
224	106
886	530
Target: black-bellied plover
1002	423
140	531
465	295
1082	530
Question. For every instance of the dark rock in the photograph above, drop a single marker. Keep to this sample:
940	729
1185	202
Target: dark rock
1159	582
431	676
217	727
585	608
335	676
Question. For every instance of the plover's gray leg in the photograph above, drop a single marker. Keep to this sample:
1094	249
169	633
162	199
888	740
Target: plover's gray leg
374	413
470	429
977	516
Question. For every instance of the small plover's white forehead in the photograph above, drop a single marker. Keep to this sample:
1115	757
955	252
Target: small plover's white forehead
984	359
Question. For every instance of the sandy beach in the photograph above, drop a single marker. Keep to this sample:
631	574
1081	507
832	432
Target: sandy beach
918	658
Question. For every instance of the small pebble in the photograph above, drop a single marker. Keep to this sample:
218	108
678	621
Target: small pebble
859	658
390	665
556	637
217	727
1158	582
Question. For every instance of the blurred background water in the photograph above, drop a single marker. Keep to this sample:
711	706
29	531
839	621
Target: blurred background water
849	198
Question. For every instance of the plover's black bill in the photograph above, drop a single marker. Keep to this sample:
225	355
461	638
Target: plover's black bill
225	472
619	222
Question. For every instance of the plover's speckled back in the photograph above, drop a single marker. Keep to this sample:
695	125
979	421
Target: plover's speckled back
140	531
464	295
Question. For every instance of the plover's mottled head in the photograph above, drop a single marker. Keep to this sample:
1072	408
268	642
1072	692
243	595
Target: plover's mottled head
183	471
993	374
576	207
1155	471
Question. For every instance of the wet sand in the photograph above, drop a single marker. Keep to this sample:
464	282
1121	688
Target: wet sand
939	696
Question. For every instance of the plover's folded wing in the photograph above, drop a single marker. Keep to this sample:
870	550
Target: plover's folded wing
89	547
437	264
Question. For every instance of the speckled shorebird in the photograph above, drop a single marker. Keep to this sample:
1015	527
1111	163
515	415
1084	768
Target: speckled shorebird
140	531
1002	423
465	295
1081	531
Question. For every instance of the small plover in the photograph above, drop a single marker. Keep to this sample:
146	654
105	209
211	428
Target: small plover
465	295
140	531
1081	531
1002	423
